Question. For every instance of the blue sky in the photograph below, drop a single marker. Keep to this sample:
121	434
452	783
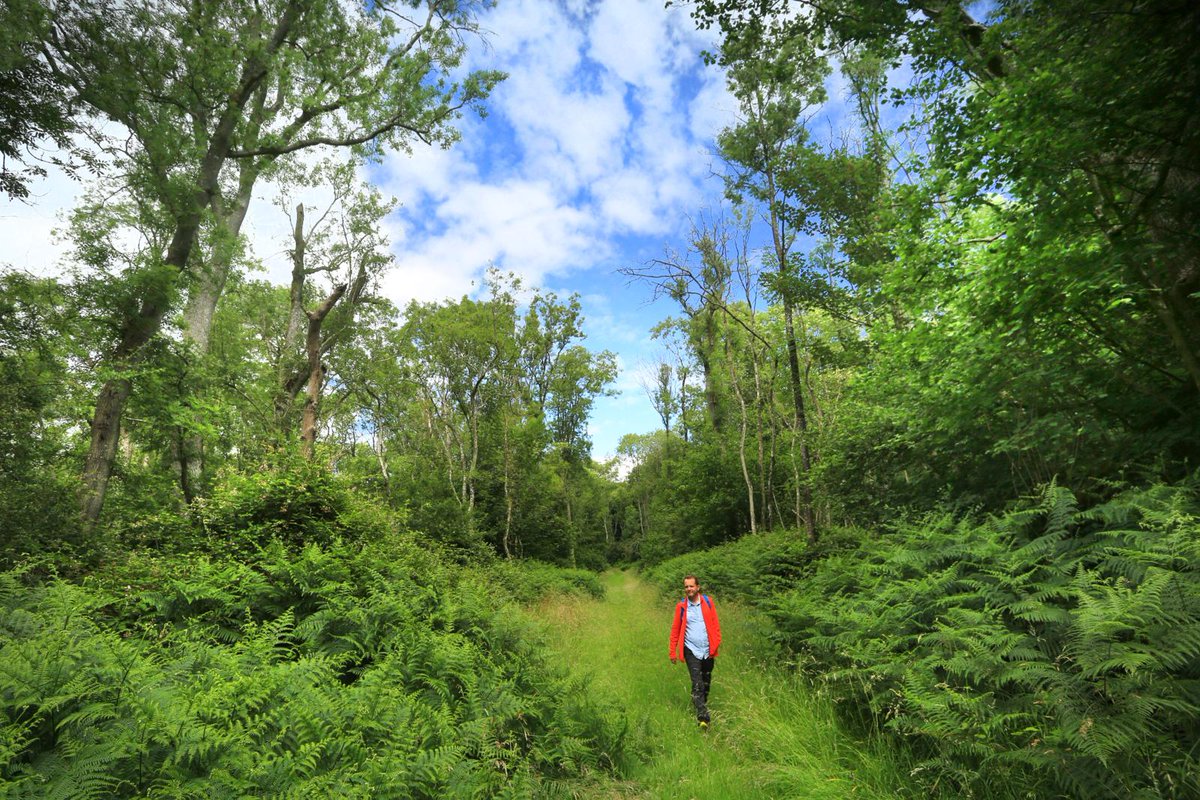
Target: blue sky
596	153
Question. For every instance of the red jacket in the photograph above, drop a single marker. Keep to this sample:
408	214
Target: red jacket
679	626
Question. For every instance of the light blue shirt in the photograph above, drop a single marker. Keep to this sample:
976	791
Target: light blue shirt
696	635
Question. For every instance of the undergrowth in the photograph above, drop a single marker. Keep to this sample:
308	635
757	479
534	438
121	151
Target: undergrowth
1049	652
371	670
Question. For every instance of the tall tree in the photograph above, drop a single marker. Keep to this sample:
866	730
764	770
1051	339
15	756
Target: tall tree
775	91
660	388
343	246
1081	111
702	292
457	351
204	86
679	358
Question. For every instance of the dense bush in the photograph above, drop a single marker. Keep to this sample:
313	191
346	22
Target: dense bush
1048	652
284	499
37	470
369	671
294	501
754	566
527	581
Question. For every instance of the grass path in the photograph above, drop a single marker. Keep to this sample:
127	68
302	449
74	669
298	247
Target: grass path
770	737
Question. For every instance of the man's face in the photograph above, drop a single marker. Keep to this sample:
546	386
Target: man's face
690	588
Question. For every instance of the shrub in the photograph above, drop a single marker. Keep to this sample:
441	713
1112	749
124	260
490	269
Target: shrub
527	581
752	567
1051	651
291	500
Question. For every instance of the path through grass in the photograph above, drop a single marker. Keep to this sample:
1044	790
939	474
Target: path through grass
771	738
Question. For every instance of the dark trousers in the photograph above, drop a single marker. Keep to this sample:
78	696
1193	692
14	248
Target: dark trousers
700	670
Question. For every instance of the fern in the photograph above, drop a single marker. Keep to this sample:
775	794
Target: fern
1053	647
332	671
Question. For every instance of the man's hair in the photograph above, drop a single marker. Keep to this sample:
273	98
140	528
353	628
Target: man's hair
692	578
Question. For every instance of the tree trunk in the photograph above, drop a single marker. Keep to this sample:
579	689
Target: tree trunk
803	488
381	457
202	301
508	491
736	385
684	430
772	460
750	499
471	470
1177	335
643	514
712	394
316	371
379	446
136	332
760	443
199	312
508	519
782	243
983	64
106	431
110	405
291	379
572	534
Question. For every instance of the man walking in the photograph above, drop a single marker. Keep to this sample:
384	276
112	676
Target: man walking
695	638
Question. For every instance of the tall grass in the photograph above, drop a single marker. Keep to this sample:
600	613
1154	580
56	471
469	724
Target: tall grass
771	737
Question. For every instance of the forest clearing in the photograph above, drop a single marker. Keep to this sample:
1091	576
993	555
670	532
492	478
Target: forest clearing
771	737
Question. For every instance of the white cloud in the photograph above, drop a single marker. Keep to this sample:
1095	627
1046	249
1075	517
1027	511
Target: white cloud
628	200
28	235
518	225
631	38
574	135
712	109
598	132
532	32
430	175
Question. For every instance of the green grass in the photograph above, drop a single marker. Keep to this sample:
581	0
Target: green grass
771	737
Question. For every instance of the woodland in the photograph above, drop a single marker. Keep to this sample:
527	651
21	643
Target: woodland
941	430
